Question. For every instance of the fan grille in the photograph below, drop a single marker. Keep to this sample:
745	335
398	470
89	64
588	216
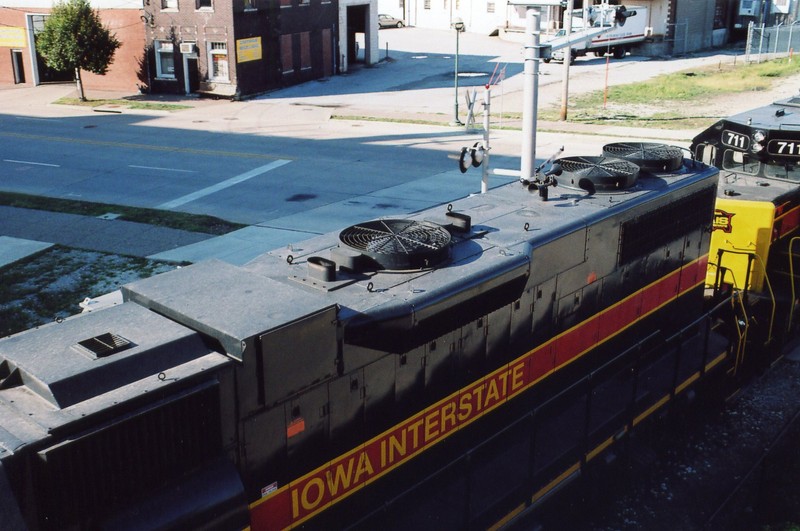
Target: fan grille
599	173
649	156
399	243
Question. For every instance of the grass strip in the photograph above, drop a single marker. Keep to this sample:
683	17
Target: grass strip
677	88
163	218
128	104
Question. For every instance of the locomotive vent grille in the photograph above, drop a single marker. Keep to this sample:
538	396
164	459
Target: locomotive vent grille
649	156
103	345
399	244
601	174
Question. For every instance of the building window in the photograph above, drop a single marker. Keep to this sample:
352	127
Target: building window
490	7
169	4
218	61
204	4
287	55
305	51
249	5
165	60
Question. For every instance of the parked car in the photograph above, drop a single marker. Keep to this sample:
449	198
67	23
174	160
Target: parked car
388	21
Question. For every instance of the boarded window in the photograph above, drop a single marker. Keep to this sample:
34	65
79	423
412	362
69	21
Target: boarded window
287	57
305	51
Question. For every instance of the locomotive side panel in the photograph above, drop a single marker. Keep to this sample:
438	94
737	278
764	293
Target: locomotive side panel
510	364
379	389
292	361
307	429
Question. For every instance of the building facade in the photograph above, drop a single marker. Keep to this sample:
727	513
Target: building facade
674	26
235	48
21	20
224	48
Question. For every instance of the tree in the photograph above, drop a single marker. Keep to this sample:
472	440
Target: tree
74	38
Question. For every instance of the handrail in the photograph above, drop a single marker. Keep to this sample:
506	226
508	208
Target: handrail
742	326
791	280
772	298
746	290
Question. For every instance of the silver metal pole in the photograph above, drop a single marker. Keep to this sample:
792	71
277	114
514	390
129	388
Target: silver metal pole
487	101
530	91
456	121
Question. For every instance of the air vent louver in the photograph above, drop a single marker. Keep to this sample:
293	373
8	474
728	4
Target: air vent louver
399	244
103	345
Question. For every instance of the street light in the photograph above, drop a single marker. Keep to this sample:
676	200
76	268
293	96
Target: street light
458	25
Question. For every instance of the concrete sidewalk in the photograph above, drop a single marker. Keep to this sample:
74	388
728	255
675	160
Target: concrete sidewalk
27	231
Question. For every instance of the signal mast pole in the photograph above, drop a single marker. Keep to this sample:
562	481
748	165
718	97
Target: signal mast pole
530	94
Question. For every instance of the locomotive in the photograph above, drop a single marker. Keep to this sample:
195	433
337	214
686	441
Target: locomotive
757	212
452	369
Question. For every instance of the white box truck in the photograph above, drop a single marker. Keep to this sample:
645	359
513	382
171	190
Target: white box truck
618	41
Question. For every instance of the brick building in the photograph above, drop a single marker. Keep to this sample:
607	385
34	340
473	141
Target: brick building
236	48
20	20
227	48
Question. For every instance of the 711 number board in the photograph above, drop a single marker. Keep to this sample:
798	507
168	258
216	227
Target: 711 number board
785	148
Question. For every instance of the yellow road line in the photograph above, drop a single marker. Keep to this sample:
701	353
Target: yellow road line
151	147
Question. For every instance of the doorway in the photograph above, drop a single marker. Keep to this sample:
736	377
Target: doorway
18	66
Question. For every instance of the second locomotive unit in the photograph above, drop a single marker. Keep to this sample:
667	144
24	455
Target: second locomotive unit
754	239
451	369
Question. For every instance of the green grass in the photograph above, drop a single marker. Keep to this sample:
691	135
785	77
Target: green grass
699	83
50	284
696	85
129	104
163	218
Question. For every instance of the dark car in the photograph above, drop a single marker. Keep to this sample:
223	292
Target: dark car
388	21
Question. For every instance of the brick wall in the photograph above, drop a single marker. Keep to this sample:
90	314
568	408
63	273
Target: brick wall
185	24
123	73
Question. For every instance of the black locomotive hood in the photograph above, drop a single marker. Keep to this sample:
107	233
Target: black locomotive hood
437	303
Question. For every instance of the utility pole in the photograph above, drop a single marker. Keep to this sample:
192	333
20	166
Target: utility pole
567	61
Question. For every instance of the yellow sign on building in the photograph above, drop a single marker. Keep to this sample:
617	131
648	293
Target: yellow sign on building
248	49
12	37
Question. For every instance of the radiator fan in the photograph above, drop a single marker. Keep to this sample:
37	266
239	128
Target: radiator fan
399	244
649	156
598	174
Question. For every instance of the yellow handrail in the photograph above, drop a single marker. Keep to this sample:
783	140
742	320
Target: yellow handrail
742	325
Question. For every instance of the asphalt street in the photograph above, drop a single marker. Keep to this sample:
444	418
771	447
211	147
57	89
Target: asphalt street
281	163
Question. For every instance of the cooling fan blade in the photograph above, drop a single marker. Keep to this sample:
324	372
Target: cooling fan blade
649	156
601	174
398	244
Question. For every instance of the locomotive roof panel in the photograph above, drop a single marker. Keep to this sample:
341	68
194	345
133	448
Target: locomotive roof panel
226	302
780	115
237	304
63	371
752	187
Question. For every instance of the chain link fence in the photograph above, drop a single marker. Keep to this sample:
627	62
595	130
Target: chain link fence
765	43
678	35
